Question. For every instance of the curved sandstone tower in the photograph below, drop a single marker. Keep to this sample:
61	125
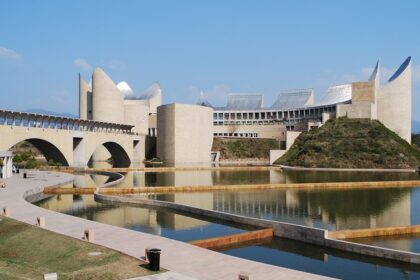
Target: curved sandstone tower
107	101
85	99
184	133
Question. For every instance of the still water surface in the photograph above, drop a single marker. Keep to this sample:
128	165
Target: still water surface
217	177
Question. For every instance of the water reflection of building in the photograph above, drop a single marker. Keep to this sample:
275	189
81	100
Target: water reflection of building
85	206
202	200
332	209
133	180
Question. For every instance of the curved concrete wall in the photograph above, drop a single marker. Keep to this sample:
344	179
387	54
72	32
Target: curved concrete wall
108	103
184	133
394	104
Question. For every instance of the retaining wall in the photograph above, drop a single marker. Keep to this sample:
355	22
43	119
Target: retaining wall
280	229
232	239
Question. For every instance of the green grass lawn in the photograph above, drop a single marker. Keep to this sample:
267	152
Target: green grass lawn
28	252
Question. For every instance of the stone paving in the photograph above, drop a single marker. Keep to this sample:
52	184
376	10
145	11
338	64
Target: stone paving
184	261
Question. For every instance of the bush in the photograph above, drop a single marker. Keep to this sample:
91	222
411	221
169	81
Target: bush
32	163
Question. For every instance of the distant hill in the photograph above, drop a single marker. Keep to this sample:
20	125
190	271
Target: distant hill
415	126
351	143
50	113
415	139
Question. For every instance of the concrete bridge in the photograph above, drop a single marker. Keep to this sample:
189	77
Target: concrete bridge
70	141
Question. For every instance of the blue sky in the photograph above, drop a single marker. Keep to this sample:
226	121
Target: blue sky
189	46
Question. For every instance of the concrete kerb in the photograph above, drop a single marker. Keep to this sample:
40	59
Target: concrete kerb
281	229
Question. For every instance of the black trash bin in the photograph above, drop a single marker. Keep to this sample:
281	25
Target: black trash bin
24	175
154	259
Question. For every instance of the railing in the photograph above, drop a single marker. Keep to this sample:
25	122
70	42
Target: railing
11	118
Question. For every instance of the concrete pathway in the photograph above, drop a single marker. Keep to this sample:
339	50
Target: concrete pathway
184	261
170	275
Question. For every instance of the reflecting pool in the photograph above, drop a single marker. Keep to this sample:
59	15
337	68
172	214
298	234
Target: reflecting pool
324	261
218	177
409	242
330	209
163	223
281	252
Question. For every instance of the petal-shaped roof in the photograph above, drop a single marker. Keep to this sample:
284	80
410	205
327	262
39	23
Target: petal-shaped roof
335	95
151	92
402	68
240	101
125	89
294	99
202	101
374	72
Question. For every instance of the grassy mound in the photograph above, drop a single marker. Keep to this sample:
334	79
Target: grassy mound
351	143
244	148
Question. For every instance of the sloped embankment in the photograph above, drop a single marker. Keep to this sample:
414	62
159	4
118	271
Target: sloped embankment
233	149
351	143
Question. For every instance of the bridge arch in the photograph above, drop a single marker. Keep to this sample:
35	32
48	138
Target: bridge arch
47	149
118	153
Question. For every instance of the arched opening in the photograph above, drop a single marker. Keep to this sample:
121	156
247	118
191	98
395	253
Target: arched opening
113	155
34	152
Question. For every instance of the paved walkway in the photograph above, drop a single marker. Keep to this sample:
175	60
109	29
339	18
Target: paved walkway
184	261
